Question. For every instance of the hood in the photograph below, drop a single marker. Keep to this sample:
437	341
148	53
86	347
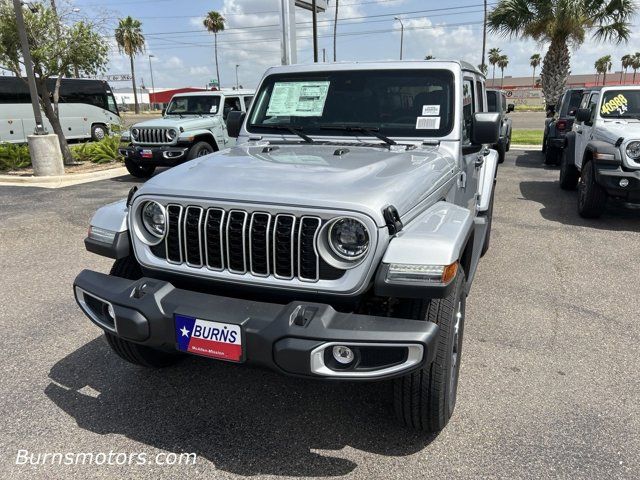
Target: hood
629	129
186	122
363	179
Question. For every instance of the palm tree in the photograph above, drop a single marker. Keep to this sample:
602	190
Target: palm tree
214	23
534	61
429	57
335	31
603	65
503	61
131	41
561	23
494	56
635	64
627	60
483	68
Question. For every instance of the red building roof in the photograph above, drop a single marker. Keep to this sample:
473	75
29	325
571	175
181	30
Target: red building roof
166	95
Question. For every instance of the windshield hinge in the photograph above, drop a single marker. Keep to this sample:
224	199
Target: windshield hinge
462	180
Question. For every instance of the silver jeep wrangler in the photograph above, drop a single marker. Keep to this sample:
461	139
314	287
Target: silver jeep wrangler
192	125
602	153
336	240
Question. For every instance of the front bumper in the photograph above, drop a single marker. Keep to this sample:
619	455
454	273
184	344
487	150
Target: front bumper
288	338
609	177
163	156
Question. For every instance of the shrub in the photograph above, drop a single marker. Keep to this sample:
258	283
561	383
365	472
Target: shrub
104	151
13	156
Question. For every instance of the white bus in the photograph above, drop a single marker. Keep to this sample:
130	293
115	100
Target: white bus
87	109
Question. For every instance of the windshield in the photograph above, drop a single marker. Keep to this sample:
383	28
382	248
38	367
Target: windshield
401	103
194	105
620	104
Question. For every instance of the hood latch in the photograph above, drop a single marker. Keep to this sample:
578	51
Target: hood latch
392	217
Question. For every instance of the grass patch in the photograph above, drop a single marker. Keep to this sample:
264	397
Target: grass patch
526	137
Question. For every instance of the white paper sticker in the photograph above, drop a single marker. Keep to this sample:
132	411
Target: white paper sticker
298	99
427	123
431	110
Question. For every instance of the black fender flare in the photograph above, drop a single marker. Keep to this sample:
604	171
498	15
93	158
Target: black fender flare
603	154
570	147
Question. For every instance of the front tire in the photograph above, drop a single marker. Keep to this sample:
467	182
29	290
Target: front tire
425	399
592	198
199	149
99	132
142	355
139	171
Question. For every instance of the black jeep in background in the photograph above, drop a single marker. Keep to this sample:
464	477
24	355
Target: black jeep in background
559	121
497	102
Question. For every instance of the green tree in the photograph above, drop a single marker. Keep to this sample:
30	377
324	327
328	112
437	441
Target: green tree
602	66
483	68
534	61
429	57
635	65
131	41
494	56
54	52
627	61
561	23
503	61
214	23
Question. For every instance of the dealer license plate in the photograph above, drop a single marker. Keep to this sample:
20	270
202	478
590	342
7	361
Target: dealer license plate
209	339
146	154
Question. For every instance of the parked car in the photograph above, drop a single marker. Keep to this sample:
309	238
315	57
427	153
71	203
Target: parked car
558	123
192	125
337	240
497	102
602	156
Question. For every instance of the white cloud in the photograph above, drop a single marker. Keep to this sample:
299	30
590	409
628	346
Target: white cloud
200	70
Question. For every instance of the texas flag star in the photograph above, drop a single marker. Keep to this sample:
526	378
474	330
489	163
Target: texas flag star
185	332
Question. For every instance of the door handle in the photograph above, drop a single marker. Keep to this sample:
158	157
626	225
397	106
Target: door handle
579	131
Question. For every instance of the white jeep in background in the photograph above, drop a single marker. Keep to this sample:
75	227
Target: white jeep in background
192	125
602	152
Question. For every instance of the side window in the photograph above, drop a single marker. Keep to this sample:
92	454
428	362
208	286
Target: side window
231	103
247	103
468	109
480	90
584	103
593	103
504	103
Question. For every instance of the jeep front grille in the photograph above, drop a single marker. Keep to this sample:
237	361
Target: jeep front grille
151	135
240	242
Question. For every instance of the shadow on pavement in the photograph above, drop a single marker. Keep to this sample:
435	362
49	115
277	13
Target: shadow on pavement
244	420
562	206
533	159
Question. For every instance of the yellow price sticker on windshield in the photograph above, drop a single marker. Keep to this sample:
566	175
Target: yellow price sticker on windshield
619	102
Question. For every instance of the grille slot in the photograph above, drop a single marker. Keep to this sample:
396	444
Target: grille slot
258	243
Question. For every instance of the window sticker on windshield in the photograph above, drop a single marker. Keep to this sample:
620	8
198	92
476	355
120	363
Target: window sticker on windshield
428	123
431	110
616	104
298	99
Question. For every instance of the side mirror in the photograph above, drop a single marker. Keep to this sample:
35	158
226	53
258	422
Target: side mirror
583	115
511	107
485	128
235	120
164	110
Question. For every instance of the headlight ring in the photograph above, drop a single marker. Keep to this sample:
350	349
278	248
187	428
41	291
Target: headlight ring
171	134
151	226
633	150
134	133
348	238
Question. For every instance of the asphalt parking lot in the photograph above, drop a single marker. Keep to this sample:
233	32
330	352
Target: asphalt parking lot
549	382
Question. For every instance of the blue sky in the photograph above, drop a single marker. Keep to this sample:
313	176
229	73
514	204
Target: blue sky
183	50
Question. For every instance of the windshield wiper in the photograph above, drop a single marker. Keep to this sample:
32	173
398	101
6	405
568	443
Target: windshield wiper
371	131
289	128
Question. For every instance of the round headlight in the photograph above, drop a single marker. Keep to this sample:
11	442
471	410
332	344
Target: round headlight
134	133
171	134
154	219
633	150
348	238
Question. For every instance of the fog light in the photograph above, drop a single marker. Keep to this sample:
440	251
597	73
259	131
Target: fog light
111	312
343	355
624	182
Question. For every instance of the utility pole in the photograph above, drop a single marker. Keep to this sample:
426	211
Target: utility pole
324	55
28	66
237	82
401	34
484	34
335	31
314	16
288	24
153	86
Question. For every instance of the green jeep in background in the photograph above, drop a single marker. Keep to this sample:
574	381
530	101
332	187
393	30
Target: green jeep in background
192	125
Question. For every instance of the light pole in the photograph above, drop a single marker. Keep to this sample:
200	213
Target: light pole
401	34
237	82
153	87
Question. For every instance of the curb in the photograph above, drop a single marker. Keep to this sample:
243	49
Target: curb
58	181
